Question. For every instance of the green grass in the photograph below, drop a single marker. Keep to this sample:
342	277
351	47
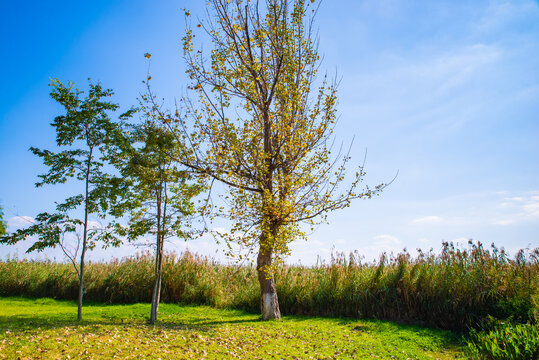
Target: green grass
46	328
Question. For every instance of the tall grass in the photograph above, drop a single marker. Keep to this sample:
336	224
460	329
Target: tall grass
455	289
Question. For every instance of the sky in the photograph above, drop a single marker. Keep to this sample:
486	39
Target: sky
446	93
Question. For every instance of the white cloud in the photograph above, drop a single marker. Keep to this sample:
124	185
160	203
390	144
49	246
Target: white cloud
454	69
94	225
531	208
500	208
428	220
438	92
307	252
460	240
379	244
505	222
17	222
436	72
386	240
517	209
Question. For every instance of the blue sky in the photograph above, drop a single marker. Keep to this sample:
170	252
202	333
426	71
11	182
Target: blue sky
445	92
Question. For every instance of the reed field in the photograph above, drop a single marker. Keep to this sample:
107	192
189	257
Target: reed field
457	289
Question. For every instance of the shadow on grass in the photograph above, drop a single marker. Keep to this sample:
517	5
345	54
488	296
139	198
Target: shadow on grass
22	323
28	323
43	314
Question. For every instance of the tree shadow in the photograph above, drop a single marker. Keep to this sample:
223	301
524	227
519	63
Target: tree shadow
26	322
185	319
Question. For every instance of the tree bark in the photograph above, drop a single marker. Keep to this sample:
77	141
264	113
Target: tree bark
161	225
81	278
157	284
269	303
84	237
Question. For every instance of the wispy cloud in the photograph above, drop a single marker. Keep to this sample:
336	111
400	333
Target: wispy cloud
504	222
517	209
437	91
95	225
379	244
531	208
428	220
503	208
500	14
386	240
307	252
17	222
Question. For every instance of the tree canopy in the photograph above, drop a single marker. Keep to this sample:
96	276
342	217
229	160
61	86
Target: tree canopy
156	192
260	122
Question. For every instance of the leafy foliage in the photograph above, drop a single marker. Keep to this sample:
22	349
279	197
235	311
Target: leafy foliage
3	225
506	341
82	134
50	230
261	125
156	193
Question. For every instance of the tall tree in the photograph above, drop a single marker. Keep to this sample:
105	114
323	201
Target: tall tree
156	193
262	124
82	134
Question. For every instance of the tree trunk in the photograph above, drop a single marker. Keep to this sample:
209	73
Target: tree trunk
84	237
269	303
157	284
81	279
161	223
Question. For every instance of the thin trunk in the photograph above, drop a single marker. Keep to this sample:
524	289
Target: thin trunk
269	303
84	238
155	294
81	278
158	257
161	246
157	283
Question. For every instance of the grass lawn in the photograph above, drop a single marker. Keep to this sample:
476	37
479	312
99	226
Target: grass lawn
47	329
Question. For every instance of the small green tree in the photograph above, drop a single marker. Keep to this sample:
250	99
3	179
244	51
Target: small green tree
82	133
157	193
3	225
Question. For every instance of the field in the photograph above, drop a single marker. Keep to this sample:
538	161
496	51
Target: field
343	309
45	329
455	289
